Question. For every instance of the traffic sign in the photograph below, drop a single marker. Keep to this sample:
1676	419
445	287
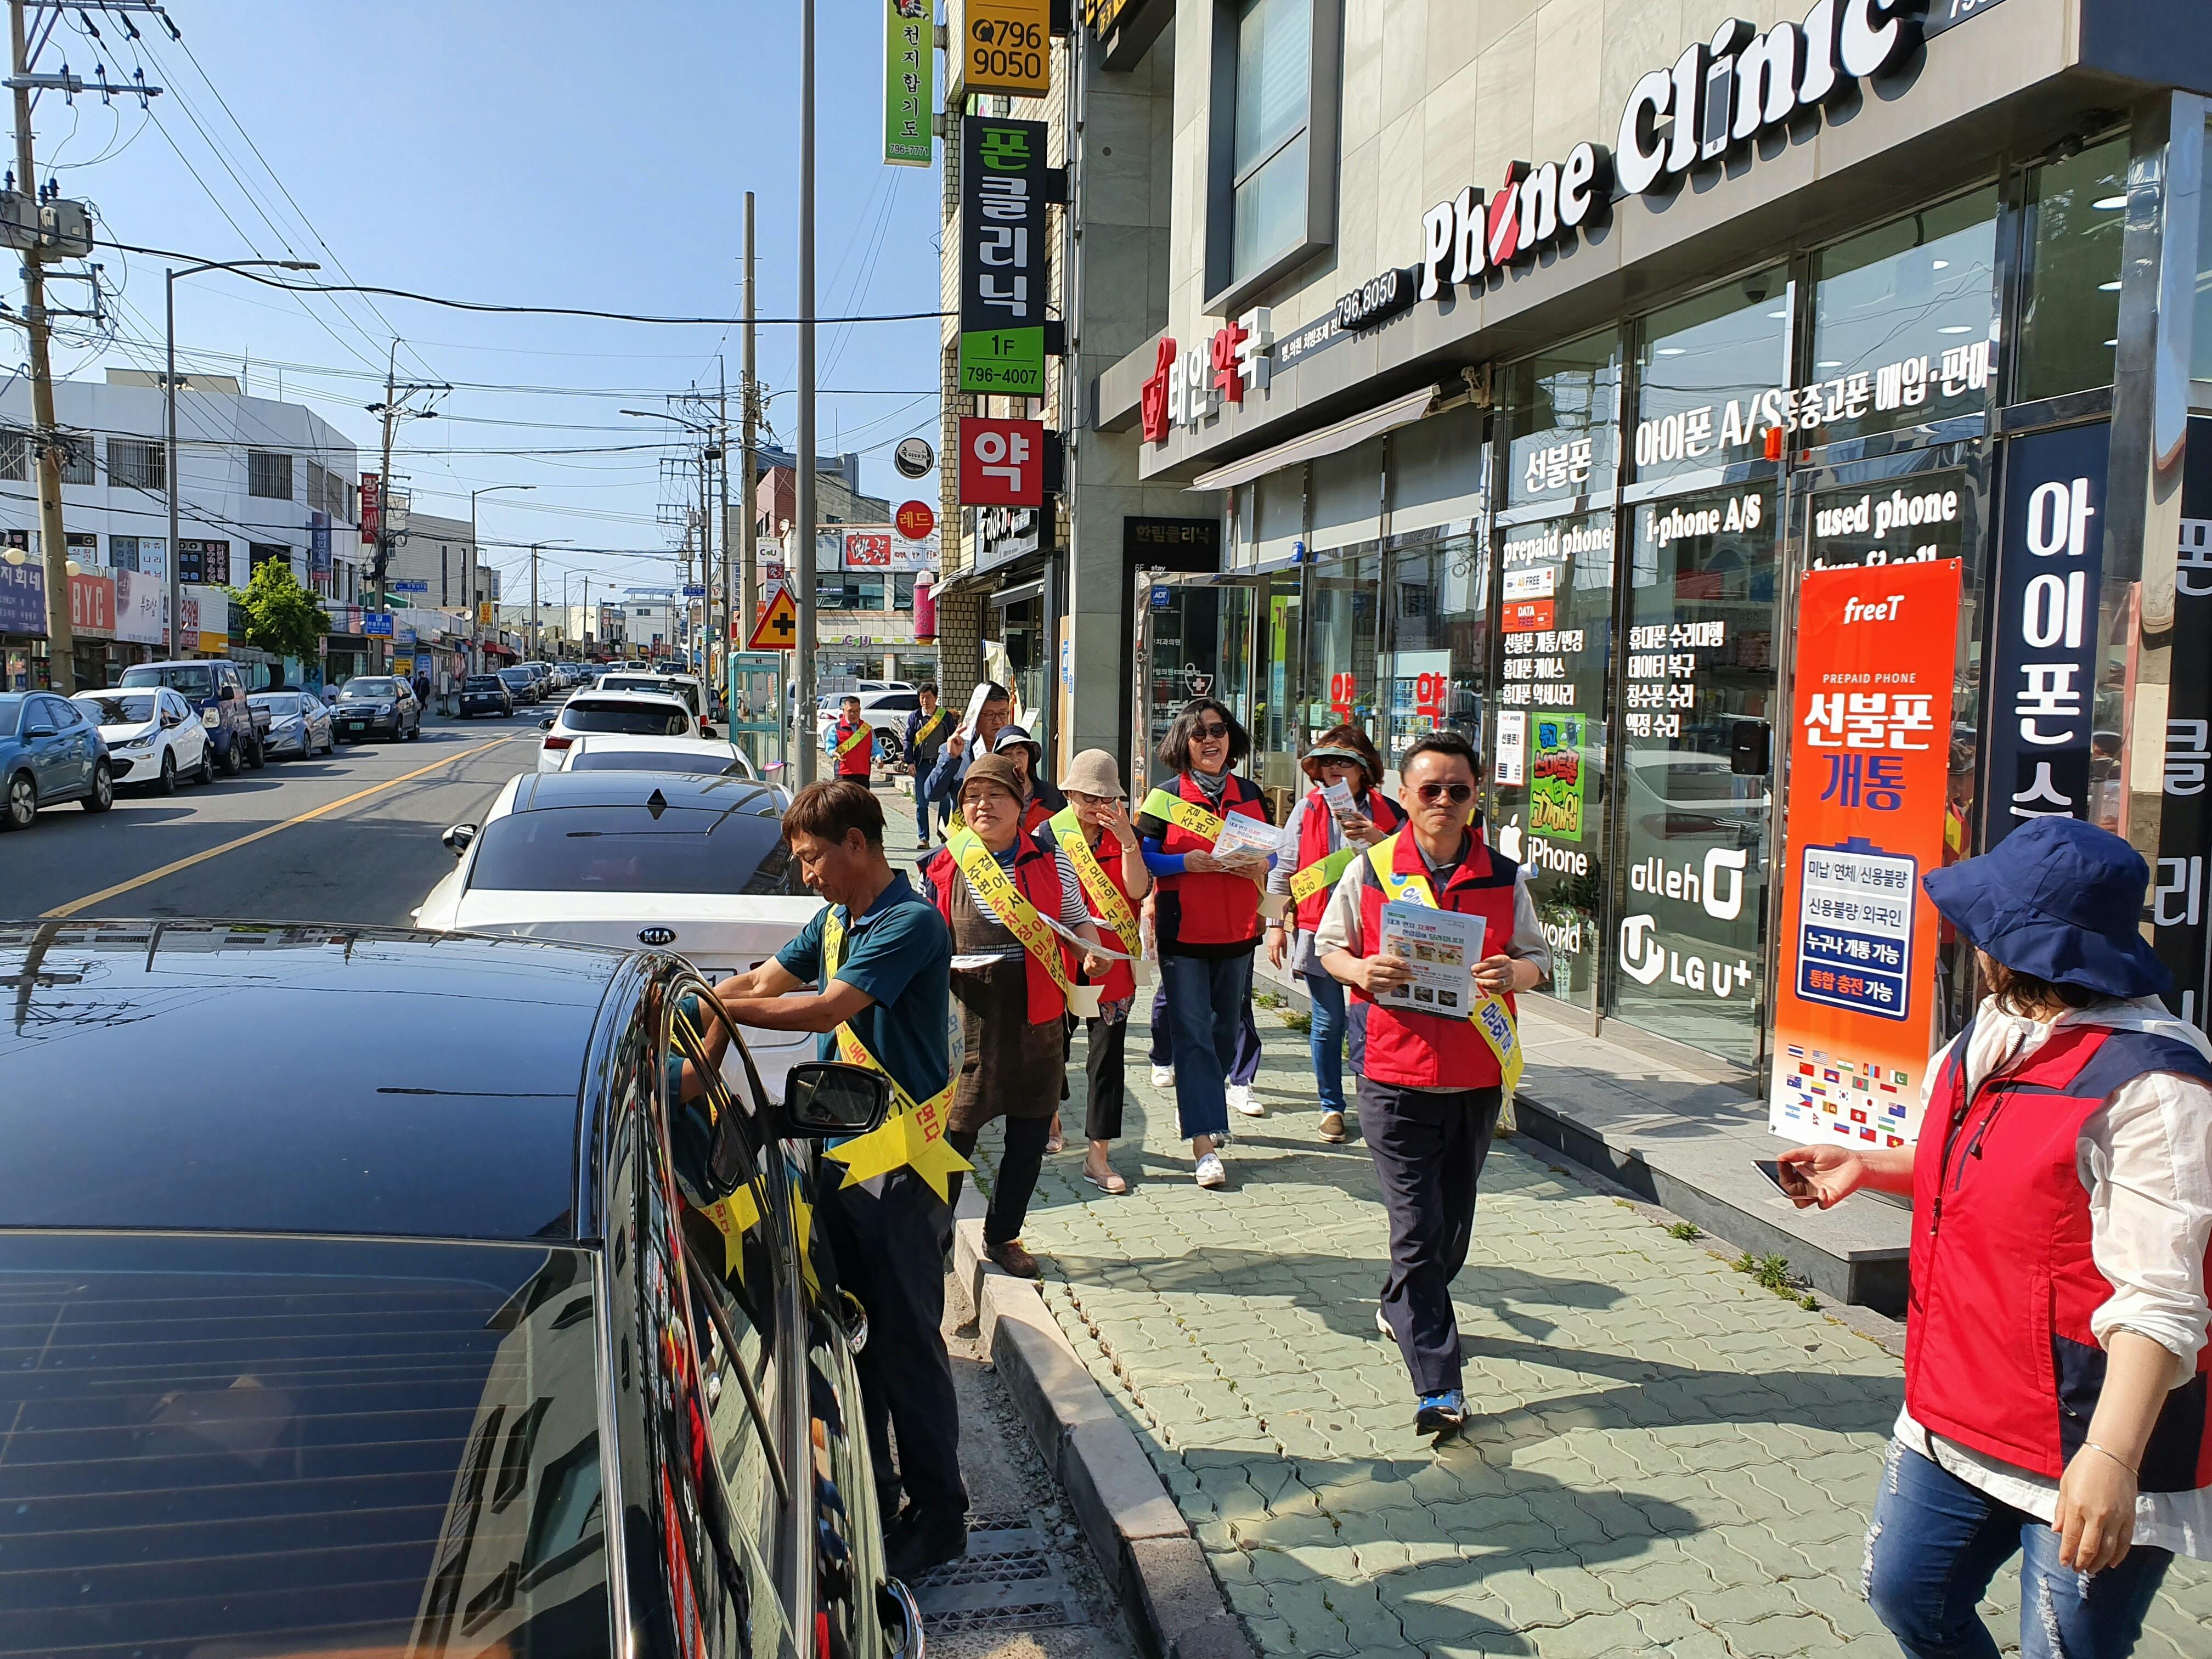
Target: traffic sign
778	627
408	587
695	591
377	622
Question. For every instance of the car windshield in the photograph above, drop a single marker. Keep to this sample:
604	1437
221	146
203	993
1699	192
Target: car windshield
651	760
282	1446
112	708
631	849
484	683
515	676
365	686
193	679
629	719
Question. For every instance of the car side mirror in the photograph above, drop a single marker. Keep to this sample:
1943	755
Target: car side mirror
170	722
706	730
822	1098
229	693
38	731
545	724
457	838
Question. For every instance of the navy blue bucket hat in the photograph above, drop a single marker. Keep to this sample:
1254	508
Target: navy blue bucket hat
2060	899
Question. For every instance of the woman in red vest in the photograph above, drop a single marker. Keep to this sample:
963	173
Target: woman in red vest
1094	832
2056	1361
1011	1006
1205	914
1327	839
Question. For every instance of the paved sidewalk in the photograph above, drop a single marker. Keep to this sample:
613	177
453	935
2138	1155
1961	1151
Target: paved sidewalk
1670	1459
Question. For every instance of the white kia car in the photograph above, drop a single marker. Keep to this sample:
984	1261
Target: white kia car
664	860
612	713
153	736
705	757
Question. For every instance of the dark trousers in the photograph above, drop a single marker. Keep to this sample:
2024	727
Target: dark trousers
1018	1167
1428	1151
888	1255
1108	1090
1243	1069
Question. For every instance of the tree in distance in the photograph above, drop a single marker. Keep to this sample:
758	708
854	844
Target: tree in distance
281	617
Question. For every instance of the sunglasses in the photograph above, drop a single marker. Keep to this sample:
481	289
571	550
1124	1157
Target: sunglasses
1207	732
1457	793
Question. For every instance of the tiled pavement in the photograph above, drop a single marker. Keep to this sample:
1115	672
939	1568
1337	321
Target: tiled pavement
1669	1459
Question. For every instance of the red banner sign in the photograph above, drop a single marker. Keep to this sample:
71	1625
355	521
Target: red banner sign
1869	747
372	507
1002	462
1526	616
91	603
867	549
915	520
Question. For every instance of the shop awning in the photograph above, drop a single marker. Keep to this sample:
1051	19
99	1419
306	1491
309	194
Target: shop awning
1311	445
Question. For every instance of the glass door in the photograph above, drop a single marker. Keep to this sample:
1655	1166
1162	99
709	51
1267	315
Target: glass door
1279	606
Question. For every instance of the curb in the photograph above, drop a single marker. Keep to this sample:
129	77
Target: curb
1135	1529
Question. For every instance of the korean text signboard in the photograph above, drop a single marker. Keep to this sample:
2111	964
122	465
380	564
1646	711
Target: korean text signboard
23	598
2042	678
1002	462
2179	930
1868	750
1005	47
909	92
867	549
1002	256
142	608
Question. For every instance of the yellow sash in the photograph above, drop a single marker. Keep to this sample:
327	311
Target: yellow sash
1097	886
1490	1014
1019	917
1321	873
1189	815
858	735
929	728
914	1134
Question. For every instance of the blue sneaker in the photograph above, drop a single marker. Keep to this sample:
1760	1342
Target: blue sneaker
1443	1415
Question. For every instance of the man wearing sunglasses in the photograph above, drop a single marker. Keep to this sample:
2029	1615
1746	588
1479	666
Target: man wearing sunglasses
1432	1085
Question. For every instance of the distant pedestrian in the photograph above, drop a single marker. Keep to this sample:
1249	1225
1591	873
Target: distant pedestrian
1207	914
2056	1362
1329	837
852	742
1094	832
1432	1084
1015	981
926	728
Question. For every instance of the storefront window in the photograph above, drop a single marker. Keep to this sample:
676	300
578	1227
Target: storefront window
1548	785
1710	378
1439	643
1341	643
1694	839
1200	645
1904	325
1562	419
2070	319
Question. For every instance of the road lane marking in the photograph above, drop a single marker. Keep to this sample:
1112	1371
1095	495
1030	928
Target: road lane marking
152	876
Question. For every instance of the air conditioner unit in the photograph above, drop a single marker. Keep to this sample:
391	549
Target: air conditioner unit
65	230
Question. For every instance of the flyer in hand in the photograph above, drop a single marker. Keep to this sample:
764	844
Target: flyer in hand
1242	834
1442	948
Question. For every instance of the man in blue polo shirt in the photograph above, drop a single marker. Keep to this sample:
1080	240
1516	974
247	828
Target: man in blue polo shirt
893	985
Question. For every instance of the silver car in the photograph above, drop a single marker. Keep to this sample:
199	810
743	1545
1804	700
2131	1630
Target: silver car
299	723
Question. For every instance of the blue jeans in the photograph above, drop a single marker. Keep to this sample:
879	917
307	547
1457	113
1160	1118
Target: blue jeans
1332	1023
926	808
1243	1069
1206	1003
1937	1542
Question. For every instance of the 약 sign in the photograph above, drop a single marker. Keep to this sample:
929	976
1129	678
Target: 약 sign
1869	747
1002	462
1002	256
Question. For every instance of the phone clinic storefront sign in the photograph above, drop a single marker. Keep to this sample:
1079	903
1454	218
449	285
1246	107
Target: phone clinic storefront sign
1002	256
1869	741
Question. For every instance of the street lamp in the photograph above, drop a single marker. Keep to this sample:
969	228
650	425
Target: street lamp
536	635
169	397
710	451
468	574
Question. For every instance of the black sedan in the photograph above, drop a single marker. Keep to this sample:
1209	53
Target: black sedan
521	685
513	1337
376	706
485	694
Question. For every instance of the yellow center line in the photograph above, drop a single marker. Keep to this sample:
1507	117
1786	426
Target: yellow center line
152	876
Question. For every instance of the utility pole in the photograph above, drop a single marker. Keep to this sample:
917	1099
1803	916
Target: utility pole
802	566
722	581
382	565
748	411
53	546
534	652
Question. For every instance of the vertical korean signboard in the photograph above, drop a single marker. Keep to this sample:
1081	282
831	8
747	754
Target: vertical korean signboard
2178	899
1002	257
1870	724
909	92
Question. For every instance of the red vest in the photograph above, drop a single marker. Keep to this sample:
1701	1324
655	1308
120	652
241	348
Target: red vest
1313	844
1999	1353
1121	979
858	763
1432	1051
1214	908
1036	878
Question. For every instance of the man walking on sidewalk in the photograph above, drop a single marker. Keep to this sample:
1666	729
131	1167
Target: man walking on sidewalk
1433	1084
926	728
853	742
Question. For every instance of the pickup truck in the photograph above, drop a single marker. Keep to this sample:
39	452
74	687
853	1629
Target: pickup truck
216	690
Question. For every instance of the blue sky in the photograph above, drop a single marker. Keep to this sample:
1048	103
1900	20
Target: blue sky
549	153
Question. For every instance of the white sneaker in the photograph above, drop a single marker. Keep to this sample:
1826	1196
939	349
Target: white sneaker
1240	1099
1163	1077
1382	1324
1210	1172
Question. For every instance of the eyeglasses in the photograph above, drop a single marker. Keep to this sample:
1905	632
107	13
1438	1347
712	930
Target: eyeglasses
1457	793
1207	732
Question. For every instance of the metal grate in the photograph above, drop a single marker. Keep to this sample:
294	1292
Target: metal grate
1006	1581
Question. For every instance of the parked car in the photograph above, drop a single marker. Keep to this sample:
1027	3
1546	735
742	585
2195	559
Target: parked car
685	686
521	685
485	694
626	713
51	750
299	723
697	864
216	690
466	1349
705	757
153	737
377	705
